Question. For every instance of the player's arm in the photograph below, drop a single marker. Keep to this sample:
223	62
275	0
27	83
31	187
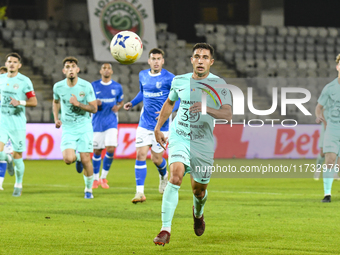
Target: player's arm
91	107
116	107
319	114
138	98
56	109
224	112
162	118
30	102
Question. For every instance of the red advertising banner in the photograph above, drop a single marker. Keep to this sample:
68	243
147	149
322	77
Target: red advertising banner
43	141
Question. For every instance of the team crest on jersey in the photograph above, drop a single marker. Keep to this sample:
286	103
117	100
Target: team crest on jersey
113	92
15	86
158	85
82	94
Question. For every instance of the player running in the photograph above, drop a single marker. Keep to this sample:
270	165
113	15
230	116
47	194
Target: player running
110	97
191	141
154	84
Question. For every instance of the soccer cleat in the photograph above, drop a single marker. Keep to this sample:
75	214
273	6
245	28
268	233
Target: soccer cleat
139	197
17	192
104	184
88	195
79	166
326	199
10	167
162	238
95	184
163	181
199	224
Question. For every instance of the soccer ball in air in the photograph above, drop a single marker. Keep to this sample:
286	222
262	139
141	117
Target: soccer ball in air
126	47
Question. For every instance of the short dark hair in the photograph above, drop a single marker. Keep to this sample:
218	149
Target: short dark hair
206	46
13	54
70	59
156	51
3	68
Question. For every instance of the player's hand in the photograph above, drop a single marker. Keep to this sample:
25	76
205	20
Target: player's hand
99	102
14	102
115	108
161	139
74	100
127	106
319	119
58	123
196	107
158	115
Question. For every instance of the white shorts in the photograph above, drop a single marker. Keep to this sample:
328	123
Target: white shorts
107	138
146	137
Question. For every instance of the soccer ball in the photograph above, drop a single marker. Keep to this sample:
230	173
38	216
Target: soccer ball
126	47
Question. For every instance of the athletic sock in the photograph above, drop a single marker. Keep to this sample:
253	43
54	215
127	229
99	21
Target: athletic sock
88	183
199	205
3	166
19	170
3	156
162	168
78	156
328	181
169	204
140	174
96	161
107	162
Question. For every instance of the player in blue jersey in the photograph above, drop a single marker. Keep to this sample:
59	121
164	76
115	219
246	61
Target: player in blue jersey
7	148
16	93
110	97
76	100
154	84
191	141
330	100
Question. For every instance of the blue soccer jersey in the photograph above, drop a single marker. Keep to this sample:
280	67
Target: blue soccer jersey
155	89
109	94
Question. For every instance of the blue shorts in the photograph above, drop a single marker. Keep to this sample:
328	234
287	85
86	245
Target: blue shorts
195	164
17	138
82	142
331	141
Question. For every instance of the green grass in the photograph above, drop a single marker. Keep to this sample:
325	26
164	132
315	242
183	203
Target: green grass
243	216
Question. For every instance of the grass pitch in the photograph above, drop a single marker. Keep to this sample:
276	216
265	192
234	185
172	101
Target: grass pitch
243	216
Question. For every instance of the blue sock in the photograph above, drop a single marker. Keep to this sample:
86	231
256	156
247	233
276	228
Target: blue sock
162	168
140	172
328	181
3	166
96	161
19	170
107	161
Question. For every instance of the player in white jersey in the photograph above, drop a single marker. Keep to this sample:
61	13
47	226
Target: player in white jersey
16	93
191	142
154	84
110	97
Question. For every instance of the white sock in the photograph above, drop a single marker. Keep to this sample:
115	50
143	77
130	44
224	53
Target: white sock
88	190
1	181
104	174
166	229
140	189
96	177
9	158
18	185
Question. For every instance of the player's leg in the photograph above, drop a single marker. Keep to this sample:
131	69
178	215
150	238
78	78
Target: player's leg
4	156
170	201
199	198
88	173
68	147
98	146
85	147
140	173
111	142
321	156
19	169
160	163
328	175
3	166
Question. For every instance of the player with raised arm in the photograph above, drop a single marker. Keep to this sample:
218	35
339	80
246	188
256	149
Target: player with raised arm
110	97
16	93
76	100
154	84
330	99
191	141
